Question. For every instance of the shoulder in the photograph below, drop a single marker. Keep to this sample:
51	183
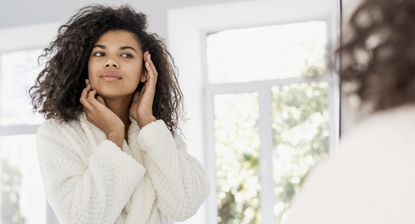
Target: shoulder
58	139
58	129
371	158
383	130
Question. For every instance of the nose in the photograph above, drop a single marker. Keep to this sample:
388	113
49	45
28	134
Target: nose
111	63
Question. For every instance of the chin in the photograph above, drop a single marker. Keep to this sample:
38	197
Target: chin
114	94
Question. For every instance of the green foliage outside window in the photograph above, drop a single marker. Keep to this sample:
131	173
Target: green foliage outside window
300	135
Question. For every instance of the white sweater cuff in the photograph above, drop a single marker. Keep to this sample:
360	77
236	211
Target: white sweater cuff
155	135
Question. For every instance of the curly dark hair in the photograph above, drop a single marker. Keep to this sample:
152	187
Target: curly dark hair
58	86
379	57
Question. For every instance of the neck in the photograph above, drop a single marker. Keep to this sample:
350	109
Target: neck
121	107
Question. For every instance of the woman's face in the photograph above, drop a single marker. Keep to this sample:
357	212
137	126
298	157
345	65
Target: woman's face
115	67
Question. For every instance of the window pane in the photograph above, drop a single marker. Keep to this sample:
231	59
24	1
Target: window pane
301	137
270	52
18	71
237	154
23	199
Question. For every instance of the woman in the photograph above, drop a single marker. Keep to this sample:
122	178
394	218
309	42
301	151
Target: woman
371	177
110	151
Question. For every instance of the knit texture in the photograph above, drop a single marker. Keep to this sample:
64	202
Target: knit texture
89	179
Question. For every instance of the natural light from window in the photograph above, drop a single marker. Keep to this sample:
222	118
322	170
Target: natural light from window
288	61
269	52
18	71
22	199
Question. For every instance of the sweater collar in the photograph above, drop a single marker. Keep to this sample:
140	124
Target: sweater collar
96	136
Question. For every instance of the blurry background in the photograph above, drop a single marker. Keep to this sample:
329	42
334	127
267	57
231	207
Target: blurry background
262	102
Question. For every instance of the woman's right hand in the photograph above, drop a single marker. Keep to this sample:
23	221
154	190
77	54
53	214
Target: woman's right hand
101	116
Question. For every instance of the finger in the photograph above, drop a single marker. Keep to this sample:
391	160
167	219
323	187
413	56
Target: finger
151	77
101	100
146	55
150	84
150	65
147	95
87	106
84	96
91	94
91	98
85	91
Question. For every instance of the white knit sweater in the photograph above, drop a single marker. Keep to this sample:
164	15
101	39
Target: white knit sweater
370	179
89	179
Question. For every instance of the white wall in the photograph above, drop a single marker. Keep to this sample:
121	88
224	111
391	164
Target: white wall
27	12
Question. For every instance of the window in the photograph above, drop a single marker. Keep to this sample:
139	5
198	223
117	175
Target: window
18	72
21	183
262	102
22	199
281	68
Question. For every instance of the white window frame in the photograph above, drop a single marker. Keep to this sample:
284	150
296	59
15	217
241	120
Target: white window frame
26	38
187	31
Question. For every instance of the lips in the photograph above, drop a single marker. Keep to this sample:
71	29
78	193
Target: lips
110	76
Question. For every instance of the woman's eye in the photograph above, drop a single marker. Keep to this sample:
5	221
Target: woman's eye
99	54
127	55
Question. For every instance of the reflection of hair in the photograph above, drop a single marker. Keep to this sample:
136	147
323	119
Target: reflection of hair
380	56
59	85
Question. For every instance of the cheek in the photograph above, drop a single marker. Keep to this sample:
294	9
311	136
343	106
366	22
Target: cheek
90	69
135	73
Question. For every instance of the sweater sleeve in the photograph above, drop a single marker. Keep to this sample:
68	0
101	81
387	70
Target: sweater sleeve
80	189
178	178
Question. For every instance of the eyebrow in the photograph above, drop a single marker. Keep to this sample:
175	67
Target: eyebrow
121	48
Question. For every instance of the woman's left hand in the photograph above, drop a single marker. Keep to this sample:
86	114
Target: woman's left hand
141	108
